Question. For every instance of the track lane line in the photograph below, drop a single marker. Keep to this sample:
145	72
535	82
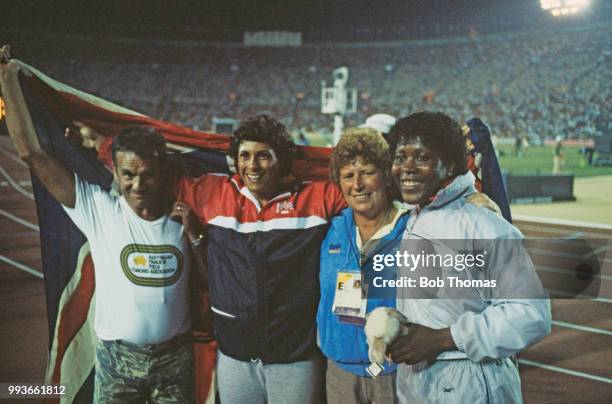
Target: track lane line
526	229
560	222
581	328
565	371
19	220
3	150
578	296
561	271
22	183
574	236
550	253
22	267
15	185
597	251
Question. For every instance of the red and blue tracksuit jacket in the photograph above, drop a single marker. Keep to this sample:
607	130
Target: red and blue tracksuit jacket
263	263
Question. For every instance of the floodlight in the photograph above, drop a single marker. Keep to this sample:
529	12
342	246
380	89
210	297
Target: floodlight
564	7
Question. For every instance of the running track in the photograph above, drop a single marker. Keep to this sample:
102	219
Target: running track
572	365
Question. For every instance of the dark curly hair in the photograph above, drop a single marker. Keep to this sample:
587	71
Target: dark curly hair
360	142
438	132
265	129
144	141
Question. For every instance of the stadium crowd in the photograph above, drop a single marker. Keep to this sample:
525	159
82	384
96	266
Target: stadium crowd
532	85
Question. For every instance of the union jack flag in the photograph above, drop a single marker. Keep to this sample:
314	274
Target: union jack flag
67	264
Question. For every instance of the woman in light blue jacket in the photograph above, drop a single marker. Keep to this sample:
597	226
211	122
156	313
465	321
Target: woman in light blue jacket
372	224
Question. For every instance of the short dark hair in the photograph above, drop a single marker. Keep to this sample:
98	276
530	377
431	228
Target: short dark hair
437	131
265	129
144	141
360	142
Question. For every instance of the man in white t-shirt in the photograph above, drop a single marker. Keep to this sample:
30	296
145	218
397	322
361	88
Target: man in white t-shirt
141	256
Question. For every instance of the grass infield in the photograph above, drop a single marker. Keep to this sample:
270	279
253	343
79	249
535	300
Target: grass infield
539	160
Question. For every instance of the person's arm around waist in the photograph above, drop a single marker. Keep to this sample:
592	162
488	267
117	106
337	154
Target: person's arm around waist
196	232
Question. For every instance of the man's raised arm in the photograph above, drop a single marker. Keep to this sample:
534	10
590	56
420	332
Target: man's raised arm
58	180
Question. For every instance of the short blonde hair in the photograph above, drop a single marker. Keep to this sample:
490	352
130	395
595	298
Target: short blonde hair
366	143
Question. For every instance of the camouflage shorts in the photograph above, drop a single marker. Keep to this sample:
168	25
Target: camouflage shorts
129	373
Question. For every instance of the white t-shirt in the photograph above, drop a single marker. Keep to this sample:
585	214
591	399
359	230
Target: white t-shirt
141	268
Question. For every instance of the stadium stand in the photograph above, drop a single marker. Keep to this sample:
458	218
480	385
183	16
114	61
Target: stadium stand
534	85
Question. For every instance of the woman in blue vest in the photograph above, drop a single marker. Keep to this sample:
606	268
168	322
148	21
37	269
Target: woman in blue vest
371	225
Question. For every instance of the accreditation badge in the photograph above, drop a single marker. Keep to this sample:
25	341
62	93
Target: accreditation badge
348	301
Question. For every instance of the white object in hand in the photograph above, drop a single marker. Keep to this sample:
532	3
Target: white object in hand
383	325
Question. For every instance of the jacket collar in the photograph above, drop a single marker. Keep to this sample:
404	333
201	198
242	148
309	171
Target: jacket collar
400	207
460	185
287	189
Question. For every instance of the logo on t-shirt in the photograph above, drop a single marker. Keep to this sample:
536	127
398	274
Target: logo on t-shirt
147	265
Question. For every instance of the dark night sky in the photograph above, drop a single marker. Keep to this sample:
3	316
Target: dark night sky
312	16
245	14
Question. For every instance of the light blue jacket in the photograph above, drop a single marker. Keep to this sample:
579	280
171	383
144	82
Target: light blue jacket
344	343
488	327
